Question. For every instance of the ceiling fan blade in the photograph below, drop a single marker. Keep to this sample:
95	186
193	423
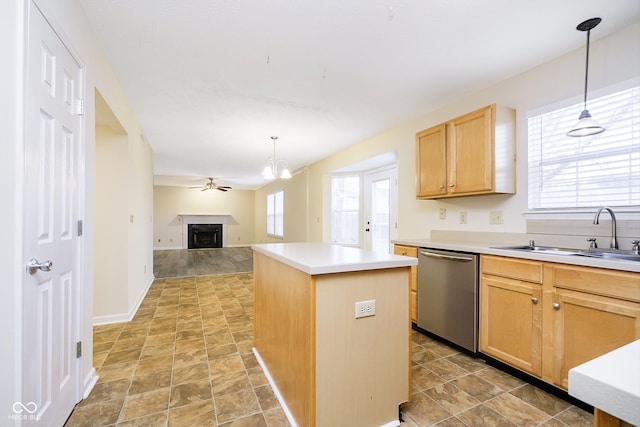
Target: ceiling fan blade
222	189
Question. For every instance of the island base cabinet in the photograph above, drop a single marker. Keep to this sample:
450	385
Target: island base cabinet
587	326
331	368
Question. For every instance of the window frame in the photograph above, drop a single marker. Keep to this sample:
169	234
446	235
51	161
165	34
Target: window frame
275	227
569	211
358	210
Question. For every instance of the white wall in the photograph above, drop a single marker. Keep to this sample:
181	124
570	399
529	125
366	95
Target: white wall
11	73
613	60
68	19
169	202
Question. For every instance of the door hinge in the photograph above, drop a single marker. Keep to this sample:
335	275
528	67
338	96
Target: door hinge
78	107
79	227
79	349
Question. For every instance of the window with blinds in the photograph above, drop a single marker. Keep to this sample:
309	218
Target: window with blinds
600	170
345	209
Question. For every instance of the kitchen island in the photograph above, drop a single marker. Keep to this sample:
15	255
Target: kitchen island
332	332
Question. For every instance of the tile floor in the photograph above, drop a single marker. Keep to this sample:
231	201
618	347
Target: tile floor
185	360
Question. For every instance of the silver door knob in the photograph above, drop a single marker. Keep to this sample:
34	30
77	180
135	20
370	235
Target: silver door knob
33	266
556	305
534	300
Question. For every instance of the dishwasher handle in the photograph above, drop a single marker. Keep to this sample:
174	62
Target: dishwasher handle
449	257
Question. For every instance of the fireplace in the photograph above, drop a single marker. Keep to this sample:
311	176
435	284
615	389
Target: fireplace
204	236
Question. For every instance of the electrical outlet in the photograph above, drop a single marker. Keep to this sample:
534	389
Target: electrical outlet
365	308
443	213
463	217
495	217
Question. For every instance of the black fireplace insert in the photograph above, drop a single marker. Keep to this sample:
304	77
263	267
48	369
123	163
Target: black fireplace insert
204	236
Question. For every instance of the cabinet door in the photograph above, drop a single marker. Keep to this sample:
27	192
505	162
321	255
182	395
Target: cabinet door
510	322
431	162
471	166
411	251
587	326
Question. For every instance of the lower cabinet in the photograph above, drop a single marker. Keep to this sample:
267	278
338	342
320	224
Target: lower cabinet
545	318
411	251
510	322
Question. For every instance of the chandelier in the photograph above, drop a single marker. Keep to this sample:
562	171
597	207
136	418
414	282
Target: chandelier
271	169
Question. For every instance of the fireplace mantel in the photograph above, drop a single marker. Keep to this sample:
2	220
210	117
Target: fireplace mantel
206	218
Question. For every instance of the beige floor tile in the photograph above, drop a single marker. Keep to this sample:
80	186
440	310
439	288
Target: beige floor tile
277	418
477	387
201	414
575	417
483	416
541	399
229	382
230	407
256	420
226	364
423	378
138	405
159	419
451	398
424	411
499	379
187	393
111	390
517	410
190	373
148	381
99	414
191	357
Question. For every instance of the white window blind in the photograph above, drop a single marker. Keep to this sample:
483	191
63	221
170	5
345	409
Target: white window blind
604	169
345	209
275	214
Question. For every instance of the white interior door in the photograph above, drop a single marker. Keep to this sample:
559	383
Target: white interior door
380	209
50	329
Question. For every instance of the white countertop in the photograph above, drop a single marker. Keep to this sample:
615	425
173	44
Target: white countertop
487	248
611	382
322	258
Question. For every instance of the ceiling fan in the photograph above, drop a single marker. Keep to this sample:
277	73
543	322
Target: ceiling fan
211	186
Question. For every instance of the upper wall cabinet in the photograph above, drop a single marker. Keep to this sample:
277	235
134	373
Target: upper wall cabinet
470	155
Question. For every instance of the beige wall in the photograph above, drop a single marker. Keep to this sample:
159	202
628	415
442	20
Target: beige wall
296	209
169	202
110	295
614	59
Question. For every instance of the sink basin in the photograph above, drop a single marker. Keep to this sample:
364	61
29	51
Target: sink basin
612	255
540	249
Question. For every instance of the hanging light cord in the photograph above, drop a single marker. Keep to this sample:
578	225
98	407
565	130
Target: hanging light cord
586	71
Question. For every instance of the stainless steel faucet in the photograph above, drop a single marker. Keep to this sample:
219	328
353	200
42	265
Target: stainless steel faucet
613	244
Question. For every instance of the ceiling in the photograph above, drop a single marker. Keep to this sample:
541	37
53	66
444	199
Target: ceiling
212	80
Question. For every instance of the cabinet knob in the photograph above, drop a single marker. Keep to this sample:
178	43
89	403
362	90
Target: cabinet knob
534	300
403	253
556	305
442	186
452	185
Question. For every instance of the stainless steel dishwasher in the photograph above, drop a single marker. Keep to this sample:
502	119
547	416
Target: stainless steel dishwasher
448	296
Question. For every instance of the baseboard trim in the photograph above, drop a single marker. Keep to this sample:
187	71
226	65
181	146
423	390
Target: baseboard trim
89	382
272	383
123	317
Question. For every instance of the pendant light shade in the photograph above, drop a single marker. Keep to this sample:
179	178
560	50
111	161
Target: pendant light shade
586	125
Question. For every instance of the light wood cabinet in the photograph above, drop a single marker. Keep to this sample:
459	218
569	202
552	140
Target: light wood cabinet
511	312
470	155
545	318
594	312
411	251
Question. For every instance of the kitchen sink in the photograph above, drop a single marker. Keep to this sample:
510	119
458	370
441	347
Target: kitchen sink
607	254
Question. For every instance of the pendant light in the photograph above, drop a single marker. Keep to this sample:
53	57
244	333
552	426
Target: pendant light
586	126
271	169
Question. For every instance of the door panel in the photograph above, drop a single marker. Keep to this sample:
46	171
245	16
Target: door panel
51	375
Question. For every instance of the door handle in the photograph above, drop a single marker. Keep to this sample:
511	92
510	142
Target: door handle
33	266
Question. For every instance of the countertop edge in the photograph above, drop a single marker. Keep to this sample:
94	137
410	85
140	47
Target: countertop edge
324	258
488	249
601	383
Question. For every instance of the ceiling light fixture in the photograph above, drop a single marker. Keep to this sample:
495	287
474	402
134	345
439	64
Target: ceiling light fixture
586	126
271	169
